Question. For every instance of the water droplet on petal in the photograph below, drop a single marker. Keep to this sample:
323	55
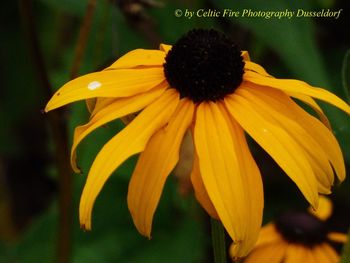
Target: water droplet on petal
94	85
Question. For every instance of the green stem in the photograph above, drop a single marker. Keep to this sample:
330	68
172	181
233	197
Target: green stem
59	134
218	239
83	38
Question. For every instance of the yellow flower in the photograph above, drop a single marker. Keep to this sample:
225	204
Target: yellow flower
298	237
206	85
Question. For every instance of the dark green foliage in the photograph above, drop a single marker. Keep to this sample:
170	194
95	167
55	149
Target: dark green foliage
305	48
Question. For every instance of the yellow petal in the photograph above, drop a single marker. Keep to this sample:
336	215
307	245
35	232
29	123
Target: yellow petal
323	136
326	140
114	110
131	140
310	257
154	165
324	209
200	191
164	47
298	253
90	104
139	57
184	166
245	55
109	83
268	234
312	103
277	143
297	86
271	253
281	111
331	253
337	237
230	175
251	66
102	102
321	255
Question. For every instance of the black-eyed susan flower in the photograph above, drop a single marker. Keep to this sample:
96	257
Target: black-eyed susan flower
298	236
206	85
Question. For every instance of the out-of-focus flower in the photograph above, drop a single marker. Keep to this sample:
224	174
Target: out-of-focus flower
297	237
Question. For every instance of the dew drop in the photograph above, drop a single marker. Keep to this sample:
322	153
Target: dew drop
94	85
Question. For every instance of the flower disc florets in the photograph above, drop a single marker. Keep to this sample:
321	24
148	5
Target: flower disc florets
301	228
204	65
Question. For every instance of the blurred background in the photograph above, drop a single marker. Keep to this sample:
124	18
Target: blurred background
47	42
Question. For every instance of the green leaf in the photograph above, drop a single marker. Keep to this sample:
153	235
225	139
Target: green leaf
73	7
170	27
345	257
346	75
39	243
292	39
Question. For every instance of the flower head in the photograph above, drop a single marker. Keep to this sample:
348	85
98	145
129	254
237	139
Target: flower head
206	85
298	236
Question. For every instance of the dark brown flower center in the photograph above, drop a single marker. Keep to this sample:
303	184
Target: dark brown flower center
204	65
301	228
